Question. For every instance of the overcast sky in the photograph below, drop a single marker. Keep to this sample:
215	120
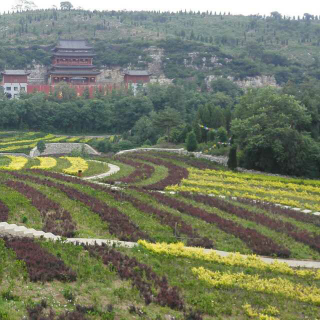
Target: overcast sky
244	7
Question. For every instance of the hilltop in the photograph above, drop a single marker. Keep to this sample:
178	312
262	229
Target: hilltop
184	45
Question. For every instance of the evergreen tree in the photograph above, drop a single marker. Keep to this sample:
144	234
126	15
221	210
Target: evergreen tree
191	141
232	161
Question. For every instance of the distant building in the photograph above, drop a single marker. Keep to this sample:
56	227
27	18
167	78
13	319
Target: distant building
14	82
136	79
72	62
136	76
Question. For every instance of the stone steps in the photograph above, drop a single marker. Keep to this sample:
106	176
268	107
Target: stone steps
21	231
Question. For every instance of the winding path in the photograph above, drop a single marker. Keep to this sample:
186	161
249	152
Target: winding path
112	170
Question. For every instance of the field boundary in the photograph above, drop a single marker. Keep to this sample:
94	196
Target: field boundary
14	230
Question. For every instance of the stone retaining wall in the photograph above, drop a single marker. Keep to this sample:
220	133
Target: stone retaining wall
14	154
63	148
151	149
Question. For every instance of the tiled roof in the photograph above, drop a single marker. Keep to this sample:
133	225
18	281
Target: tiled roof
137	73
73	44
15	72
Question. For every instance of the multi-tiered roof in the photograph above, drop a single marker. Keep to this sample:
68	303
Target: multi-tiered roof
72	62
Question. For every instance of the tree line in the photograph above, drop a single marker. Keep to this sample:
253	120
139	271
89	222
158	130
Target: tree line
274	130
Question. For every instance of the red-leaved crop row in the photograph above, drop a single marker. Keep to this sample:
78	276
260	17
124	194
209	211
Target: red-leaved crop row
142	277
41	265
259	243
119	224
4	212
191	161
165	217
56	219
175	173
297	215
288	228
142	171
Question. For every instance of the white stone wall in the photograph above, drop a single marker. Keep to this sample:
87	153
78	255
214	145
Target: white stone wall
63	148
14	89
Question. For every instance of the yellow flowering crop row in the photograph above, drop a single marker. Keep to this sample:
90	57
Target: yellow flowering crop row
17	163
49	136
77	164
252	176
12	148
226	192
276	286
32	145
45	163
86	140
261	183
265	315
233	259
14	138
254	189
73	139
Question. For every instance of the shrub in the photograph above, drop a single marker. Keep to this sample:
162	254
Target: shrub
147	143
191	141
123	145
222	134
41	146
211	135
104	146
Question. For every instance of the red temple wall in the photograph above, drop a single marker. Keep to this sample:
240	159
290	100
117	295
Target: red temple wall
70	62
15	79
47	89
136	79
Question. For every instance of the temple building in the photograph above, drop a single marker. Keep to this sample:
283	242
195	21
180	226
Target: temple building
14	82
136	77
72	62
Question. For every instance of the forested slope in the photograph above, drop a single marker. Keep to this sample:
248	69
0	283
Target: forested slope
195	44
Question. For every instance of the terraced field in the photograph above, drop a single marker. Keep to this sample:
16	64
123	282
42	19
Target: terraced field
167	203
24	142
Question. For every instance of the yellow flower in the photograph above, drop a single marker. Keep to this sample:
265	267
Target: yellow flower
77	164
233	259
45	163
17	163
275	286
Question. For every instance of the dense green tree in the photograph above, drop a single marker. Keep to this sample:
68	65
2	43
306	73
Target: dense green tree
128	110
66	5
268	128
145	130
166	120
226	86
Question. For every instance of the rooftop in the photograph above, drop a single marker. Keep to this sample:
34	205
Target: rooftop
73	44
74	72
15	73
73	54
137	73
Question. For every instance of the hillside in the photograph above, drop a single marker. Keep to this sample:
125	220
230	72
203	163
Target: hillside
201	204
191	44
